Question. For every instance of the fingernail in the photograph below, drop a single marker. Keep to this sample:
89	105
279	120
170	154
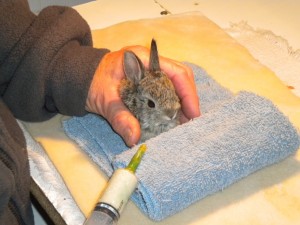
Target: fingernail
128	135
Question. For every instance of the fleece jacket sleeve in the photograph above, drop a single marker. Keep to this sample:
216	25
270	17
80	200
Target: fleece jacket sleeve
47	61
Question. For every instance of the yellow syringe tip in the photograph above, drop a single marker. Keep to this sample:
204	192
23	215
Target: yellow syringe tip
142	148
136	159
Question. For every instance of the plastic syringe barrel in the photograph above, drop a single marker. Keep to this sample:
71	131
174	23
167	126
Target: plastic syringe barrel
101	218
119	189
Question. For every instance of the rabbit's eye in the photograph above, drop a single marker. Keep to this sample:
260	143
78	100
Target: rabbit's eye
151	104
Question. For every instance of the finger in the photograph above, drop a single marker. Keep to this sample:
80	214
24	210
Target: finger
182	118
173	68
182	78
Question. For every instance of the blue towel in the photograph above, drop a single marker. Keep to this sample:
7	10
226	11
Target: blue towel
235	136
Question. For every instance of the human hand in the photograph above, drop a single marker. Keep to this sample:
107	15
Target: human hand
103	97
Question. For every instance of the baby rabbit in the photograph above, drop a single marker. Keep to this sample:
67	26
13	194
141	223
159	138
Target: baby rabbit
149	94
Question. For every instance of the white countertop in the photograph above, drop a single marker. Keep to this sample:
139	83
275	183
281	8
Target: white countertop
278	16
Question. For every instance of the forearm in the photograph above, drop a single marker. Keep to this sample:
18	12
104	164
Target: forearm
50	66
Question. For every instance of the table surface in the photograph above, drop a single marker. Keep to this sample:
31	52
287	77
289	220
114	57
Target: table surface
280	17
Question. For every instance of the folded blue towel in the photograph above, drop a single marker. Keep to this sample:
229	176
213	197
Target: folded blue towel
235	136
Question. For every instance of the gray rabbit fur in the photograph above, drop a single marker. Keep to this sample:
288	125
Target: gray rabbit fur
149	94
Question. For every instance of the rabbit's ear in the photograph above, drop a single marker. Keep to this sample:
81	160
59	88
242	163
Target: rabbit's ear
133	67
154	60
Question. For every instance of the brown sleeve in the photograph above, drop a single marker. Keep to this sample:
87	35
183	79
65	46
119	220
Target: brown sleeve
46	62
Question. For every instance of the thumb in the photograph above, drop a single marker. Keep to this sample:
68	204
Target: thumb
123	122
